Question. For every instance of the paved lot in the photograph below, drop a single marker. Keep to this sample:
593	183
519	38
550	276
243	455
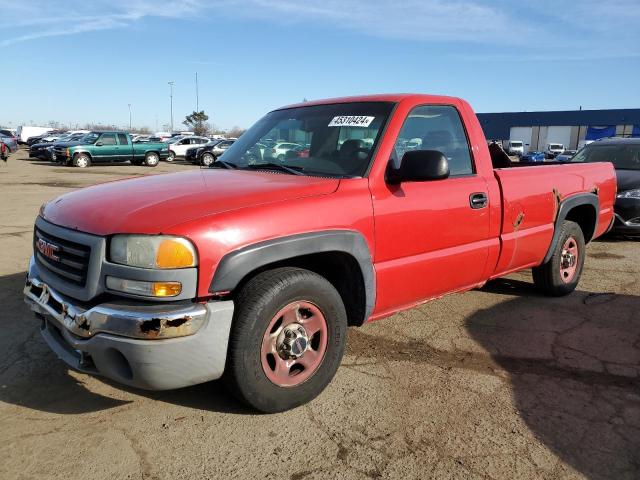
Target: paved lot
496	383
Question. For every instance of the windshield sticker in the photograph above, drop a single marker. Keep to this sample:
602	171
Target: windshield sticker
351	121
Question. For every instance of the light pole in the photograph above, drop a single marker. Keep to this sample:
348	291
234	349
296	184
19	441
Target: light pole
129	116
171	99
197	102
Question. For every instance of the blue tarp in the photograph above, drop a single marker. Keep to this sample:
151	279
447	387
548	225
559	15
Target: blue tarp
594	133
636	131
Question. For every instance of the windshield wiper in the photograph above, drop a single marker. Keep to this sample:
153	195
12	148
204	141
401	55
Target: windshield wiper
276	166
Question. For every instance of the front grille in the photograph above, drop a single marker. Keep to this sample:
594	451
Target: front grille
71	261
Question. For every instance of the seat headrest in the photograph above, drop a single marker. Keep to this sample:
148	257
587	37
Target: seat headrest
349	147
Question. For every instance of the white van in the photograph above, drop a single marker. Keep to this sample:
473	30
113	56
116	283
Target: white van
515	147
24	133
553	150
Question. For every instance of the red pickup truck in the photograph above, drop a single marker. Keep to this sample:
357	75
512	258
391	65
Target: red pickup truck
253	268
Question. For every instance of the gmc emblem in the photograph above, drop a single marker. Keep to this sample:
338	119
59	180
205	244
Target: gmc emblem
47	249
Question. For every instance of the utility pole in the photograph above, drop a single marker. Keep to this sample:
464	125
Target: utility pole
129	116
171	99
197	102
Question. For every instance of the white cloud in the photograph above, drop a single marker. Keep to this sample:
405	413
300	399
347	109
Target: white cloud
526	29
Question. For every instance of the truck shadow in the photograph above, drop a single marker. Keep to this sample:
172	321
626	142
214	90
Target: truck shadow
32	376
571	363
574	368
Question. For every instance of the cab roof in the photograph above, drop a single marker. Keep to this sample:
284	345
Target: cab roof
386	97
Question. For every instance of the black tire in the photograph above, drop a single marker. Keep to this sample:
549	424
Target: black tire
81	160
207	159
256	305
151	159
171	156
547	277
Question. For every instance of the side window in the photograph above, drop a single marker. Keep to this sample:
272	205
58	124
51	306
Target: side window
122	139
436	127
108	139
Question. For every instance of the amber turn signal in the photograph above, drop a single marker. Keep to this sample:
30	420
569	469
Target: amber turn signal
174	253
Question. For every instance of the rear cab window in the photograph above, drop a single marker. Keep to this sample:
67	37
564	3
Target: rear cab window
122	139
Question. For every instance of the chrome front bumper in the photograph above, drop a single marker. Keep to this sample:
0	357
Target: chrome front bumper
150	346
127	320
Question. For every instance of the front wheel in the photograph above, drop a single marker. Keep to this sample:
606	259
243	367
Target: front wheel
151	159
561	274
287	339
82	160
172	156
208	159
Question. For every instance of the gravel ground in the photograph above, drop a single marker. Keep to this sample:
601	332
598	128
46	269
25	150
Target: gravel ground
493	383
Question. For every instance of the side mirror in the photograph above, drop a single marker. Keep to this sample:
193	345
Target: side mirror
99	144
419	166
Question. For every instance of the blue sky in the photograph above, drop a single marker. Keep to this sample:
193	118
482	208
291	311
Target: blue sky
84	61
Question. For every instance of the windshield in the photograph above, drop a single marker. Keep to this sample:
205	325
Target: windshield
516	144
335	140
556	146
623	157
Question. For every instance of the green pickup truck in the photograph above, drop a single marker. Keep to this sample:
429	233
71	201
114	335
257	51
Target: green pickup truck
109	147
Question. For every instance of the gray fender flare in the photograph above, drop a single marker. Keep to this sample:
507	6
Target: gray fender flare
235	265
564	208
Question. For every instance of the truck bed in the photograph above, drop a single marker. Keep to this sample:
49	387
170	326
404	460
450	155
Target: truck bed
531	195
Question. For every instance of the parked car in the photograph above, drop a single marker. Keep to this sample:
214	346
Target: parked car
533	157
280	150
10	142
194	154
566	156
255	270
208	153
624	153
179	148
111	147
515	147
553	150
44	150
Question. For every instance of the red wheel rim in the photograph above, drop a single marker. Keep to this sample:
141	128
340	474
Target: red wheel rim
569	260
284	360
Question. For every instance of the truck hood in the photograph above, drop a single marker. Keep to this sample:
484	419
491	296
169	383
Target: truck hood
154	203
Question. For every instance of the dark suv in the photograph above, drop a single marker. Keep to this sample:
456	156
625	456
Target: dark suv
624	153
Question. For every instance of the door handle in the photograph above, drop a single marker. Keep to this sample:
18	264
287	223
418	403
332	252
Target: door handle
478	200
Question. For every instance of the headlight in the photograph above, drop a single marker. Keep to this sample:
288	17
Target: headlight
153	251
630	194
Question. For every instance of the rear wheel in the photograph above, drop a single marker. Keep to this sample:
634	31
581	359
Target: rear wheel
561	274
151	159
287	339
82	160
208	159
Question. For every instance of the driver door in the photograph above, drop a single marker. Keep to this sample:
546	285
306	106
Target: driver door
431	238
107	149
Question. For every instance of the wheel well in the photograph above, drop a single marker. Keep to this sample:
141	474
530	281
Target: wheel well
585	216
339	268
81	153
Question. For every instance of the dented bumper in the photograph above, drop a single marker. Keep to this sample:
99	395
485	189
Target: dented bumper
150	346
